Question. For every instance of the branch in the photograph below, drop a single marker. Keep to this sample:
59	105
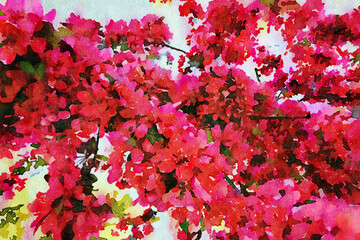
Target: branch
97	143
278	96
279	118
174	48
257	75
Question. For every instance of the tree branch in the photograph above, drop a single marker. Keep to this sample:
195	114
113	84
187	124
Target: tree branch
174	48
257	75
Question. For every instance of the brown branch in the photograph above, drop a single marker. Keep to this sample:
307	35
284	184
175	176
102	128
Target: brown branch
173	48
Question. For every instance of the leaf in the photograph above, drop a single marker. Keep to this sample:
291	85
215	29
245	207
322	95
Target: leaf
225	150
37	145
210	138
5	210
153	135
46	238
102	157
356	58
28	166
202	223
154	219
111	79
309	201
124	46
1	192
256	131
10	216
114	44
185	226
119	207
40	162
27	67
32	70
2	13
40	71
60	137
58	35
132	142
267	2
230	181
99	238
152	56
19	170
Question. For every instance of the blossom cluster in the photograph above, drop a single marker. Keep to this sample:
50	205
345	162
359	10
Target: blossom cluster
221	152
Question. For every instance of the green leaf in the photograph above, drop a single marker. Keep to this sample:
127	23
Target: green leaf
124	46
40	70
114	44
46	238
268	3
230	181
27	67
1	192
102	157
202	223
60	137
99	238
30	69
28	165
5	210
2	13
320	134
119	207
40	162
10	216
256	131
152	56
153	135
298	177
19	170
37	145
2	44
185	226
132	142
210	138
111	79
357	57
225	150
309	201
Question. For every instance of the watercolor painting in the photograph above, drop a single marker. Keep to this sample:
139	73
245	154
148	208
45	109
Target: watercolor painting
179	119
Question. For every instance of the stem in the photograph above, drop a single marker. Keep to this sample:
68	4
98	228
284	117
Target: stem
257	75
174	48
213	74
278	96
97	143
41	221
279	118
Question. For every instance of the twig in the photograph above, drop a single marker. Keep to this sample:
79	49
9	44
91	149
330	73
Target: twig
257	75
174	48
97	143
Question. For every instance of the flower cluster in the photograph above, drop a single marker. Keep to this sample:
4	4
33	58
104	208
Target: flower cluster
218	150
